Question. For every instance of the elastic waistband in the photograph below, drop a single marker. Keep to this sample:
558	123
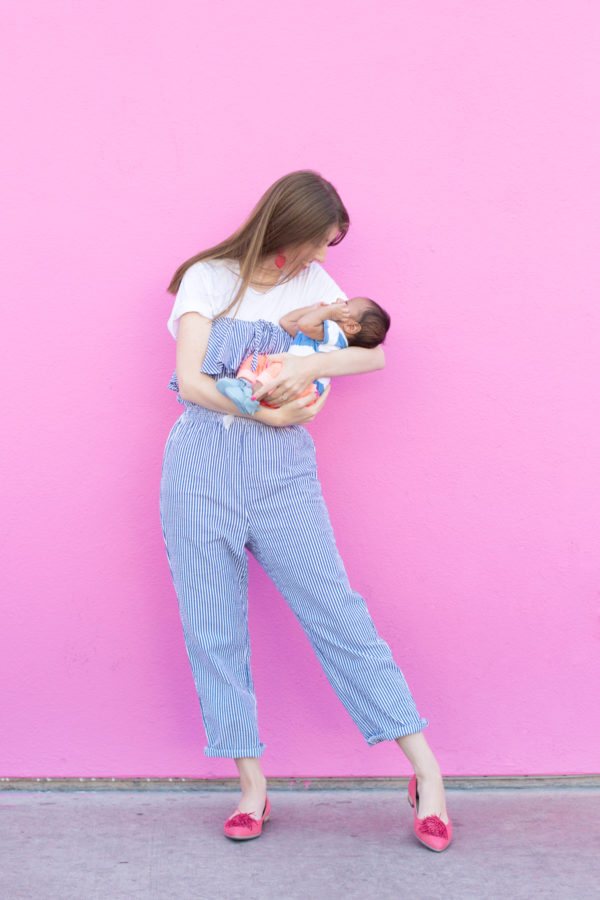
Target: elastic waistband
194	411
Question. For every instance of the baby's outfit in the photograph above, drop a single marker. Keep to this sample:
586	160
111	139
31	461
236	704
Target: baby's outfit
261	367
333	339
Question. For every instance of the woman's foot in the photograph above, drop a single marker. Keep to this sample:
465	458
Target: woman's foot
430	830
244	826
432	798
253	800
254	787
432	801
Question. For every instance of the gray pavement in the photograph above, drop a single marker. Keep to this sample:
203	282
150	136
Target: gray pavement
533	843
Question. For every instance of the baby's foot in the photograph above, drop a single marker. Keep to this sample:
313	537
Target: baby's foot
239	392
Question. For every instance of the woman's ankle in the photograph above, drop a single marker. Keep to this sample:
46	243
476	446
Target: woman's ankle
254	784
251	773
429	774
421	757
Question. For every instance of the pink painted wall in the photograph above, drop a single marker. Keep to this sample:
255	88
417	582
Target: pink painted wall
462	480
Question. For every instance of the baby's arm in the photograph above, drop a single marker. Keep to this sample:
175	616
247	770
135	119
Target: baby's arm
290	321
309	319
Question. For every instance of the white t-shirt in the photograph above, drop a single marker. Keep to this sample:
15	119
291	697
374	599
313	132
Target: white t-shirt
208	287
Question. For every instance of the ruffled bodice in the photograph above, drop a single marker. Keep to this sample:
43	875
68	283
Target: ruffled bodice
232	341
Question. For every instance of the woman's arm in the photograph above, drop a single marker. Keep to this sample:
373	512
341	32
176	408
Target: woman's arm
194	386
299	371
192	341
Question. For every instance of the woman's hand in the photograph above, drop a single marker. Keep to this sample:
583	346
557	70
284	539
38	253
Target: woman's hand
297	412
296	375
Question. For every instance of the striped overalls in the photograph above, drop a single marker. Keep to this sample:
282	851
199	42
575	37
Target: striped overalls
230	483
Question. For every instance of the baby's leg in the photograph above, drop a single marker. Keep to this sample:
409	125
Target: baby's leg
239	390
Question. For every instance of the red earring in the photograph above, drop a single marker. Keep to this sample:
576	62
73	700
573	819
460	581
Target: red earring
280	260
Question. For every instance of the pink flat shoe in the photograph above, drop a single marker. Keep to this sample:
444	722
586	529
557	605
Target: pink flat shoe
242	827
431	831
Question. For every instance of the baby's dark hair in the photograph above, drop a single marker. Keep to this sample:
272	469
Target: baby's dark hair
374	325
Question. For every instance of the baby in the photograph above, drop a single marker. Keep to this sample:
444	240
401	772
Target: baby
321	328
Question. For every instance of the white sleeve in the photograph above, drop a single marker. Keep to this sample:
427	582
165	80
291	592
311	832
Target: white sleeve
195	294
323	288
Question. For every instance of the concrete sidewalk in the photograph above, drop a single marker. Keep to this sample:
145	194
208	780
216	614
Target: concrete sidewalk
513	844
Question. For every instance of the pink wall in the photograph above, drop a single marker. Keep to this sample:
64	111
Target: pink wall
462	480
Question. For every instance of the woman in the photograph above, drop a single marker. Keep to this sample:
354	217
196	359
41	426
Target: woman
232	482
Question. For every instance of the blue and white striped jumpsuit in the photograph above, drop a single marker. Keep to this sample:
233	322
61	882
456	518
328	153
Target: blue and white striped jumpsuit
255	487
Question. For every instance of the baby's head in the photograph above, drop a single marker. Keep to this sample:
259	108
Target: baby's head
368	323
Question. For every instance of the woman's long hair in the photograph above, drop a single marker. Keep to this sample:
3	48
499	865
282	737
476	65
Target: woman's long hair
299	208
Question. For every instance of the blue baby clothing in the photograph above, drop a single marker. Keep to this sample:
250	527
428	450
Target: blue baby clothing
333	339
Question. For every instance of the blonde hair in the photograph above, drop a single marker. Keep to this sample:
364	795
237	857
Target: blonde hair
299	208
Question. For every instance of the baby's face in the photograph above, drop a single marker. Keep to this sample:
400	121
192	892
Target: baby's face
353	311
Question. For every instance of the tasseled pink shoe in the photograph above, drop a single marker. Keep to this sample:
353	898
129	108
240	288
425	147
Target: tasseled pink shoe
431	831
242	827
